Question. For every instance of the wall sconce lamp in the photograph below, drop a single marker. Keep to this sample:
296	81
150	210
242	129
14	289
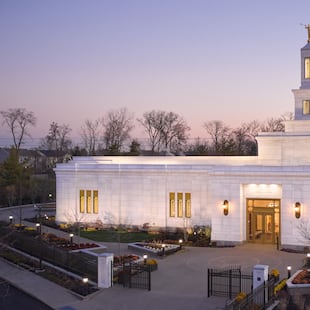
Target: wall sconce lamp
225	207
297	209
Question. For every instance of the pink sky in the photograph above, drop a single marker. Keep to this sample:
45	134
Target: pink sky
68	61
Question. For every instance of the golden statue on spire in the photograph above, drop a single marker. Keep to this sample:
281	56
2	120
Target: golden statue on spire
308	28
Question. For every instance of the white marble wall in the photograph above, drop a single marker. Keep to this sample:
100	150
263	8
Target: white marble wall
137	194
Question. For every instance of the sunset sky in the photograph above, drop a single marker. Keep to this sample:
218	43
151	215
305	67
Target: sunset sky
72	60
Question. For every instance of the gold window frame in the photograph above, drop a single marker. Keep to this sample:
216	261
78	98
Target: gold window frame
172	204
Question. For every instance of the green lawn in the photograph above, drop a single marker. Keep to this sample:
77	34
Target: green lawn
116	236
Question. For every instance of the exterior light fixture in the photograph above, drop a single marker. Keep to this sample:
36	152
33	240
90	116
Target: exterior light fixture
144	259
297	209
289	268
163	247
71	238
85	280
180	243
225	207
11	219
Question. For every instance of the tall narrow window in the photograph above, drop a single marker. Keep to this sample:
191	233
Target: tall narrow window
172	204
307	68
95	202
88	201
82	201
187	204
306	107
180	204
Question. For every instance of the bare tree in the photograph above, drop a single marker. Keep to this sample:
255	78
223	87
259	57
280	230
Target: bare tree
241	136
219	134
18	120
253	128
165	130
304	230
152	122
276	124
90	134
58	138
273	125
174	132
117	125
198	147
244	136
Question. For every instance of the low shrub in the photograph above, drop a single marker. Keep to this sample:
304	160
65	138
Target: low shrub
240	296
280	286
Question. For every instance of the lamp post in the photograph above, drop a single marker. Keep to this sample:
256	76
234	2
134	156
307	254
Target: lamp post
11	219
71	239
144	259
180	243
39	230
163	247
289	268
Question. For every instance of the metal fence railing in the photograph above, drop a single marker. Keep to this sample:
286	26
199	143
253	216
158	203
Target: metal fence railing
228	282
76	262
136	275
260	298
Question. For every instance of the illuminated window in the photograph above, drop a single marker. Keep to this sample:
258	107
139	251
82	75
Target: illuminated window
180	204
172	204
306	107
187	205
95	202
88	201
82	201
307	68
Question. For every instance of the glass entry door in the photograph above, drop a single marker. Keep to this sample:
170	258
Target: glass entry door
263	220
263	227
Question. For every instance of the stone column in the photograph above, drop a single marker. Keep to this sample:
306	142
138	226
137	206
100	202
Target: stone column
260	275
105	270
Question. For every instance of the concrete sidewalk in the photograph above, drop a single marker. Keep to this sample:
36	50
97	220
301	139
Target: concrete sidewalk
48	292
179	283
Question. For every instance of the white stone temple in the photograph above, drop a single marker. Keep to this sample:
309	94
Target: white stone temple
263	198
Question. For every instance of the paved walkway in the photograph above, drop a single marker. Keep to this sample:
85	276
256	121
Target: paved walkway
179	283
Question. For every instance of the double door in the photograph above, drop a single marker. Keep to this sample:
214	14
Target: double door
263	222
264	227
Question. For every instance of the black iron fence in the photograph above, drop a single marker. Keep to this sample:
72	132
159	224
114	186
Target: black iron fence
228	282
136	275
260	298
77	262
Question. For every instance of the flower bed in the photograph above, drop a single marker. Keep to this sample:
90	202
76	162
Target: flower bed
66	244
299	283
120	261
63	279
303	277
155	247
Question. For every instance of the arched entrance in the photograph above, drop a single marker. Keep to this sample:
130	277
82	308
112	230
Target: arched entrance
263	220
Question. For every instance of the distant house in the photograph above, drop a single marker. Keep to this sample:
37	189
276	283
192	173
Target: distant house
41	161
49	158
